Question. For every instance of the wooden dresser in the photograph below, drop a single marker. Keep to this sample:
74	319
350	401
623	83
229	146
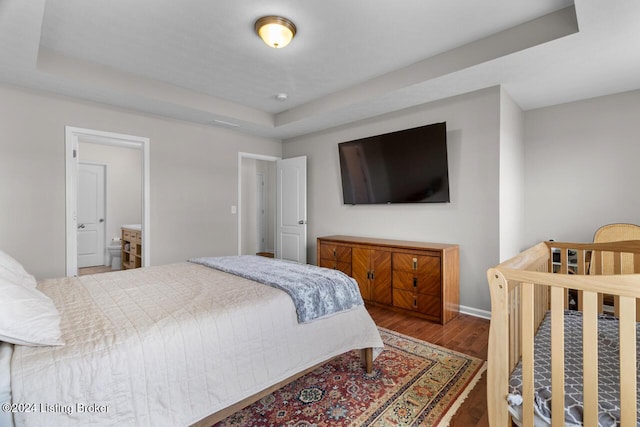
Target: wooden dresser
418	278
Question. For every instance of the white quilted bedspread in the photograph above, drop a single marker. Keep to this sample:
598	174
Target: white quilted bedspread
168	345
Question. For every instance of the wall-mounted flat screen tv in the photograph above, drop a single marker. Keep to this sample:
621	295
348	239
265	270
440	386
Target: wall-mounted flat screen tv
407	166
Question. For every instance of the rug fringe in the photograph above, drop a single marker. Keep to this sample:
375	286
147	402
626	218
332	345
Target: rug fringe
446	419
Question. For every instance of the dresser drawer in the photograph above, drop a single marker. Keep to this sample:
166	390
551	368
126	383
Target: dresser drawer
420	283
423	303
335	252
422	264
345	267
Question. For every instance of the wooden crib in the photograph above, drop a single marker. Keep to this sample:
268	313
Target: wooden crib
548	277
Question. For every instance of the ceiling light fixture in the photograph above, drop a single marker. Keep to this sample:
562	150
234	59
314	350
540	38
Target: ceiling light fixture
275	31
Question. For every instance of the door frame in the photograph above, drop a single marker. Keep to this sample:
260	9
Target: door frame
105	257
243	155
73	135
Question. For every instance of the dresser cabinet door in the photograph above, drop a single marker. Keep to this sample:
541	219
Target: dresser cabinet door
372	271
381	277
360	267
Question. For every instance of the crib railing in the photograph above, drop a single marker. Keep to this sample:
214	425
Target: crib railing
523	289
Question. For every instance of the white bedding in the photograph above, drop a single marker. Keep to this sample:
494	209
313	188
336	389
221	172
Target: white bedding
169	345
6	350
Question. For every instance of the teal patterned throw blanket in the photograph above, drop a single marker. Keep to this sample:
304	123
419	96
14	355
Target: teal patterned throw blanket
316	291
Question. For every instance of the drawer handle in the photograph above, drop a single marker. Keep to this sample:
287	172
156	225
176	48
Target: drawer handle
334	253
415	302
415	282
415	263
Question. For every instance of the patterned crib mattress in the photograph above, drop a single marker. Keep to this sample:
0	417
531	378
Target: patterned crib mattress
608	372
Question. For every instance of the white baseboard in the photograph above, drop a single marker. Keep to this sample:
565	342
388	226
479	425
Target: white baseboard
475	312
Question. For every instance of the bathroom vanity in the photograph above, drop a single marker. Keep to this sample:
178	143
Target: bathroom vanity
131	247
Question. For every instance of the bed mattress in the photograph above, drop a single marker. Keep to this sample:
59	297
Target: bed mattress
608	372
169	345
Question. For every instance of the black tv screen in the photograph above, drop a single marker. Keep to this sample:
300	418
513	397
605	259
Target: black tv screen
407	166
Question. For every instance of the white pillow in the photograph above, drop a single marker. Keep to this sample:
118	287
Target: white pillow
12	270
27	316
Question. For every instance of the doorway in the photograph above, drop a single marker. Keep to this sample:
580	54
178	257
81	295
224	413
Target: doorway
257	205
264	212
129	182
286	192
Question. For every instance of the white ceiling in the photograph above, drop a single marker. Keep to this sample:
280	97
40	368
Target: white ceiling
200	60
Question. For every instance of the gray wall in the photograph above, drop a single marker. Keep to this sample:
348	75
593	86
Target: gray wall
470	220
582	167
511	177
194	178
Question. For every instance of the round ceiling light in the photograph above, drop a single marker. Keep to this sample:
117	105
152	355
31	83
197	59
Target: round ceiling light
275	31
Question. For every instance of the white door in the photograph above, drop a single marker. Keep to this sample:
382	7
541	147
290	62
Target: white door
291	212
91	214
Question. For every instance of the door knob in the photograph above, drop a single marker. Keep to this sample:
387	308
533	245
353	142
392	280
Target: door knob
302	222
81	226
101	220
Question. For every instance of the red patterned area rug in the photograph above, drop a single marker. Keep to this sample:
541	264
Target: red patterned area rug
414	383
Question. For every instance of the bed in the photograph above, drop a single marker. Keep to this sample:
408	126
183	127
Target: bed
180	344
537	345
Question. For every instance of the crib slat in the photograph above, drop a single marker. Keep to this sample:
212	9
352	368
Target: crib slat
580	271
617	263
564	269
527	293
557	359
636	269
590	358
541	307
617	269
580	261
514	328
596	258
628	405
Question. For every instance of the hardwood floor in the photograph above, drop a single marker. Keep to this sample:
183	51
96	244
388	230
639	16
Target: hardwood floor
94	270
466	334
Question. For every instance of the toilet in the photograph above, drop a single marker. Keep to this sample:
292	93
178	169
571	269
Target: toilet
114	249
